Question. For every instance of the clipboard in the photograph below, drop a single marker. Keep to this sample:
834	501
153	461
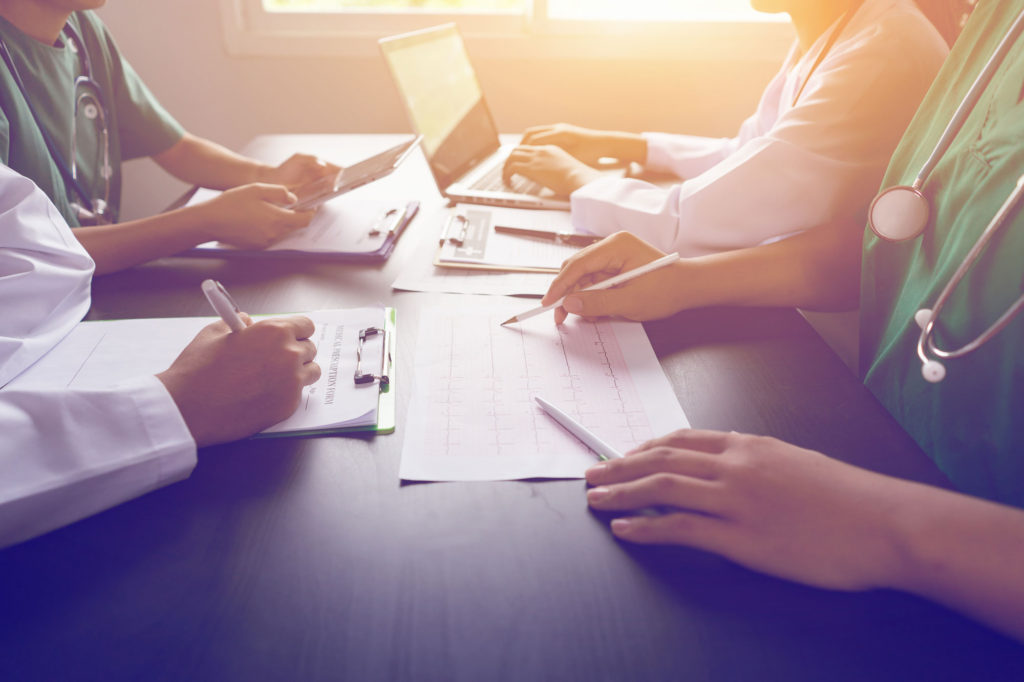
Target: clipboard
380	226
386	402
469	240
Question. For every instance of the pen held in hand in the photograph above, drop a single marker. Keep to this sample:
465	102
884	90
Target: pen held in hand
606	284
223	304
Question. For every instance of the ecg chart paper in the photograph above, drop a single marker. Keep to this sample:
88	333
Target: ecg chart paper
473	417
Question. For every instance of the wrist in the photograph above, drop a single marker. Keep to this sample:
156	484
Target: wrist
629	147
581	175
176	388
202	221
905	525
261	173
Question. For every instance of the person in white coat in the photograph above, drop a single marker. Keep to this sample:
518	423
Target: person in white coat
68	453
812	153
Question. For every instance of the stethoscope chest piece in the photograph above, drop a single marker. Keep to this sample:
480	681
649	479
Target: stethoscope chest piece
899	213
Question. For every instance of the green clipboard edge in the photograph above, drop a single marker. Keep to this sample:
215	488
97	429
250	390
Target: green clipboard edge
386	403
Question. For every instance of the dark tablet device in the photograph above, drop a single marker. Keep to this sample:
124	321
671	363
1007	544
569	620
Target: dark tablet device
312	194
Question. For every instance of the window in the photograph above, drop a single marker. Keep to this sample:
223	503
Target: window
637	10
618	29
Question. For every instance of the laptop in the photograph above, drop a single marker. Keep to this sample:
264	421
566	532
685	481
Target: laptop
446	106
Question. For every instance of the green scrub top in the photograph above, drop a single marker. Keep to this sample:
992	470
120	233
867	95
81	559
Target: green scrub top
972	423
138	125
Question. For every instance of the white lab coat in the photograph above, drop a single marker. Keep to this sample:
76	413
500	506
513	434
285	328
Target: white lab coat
67	453
790	168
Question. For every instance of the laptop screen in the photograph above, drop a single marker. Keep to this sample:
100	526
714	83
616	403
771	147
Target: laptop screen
444	100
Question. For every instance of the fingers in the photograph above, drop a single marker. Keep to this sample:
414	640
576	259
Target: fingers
309	373
518	163
689	439
279	195
657	490
658	460
308	350
601	303
303	326
533	132
681	528
601	258
294	220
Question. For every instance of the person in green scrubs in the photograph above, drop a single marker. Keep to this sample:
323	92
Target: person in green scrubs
63	82
796	513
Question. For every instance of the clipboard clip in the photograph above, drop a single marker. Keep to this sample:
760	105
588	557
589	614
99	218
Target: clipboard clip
460	236
388	223
360	377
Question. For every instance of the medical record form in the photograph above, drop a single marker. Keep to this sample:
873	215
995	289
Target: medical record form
103	353
473	414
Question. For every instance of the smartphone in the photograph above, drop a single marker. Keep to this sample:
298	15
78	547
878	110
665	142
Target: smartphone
314	193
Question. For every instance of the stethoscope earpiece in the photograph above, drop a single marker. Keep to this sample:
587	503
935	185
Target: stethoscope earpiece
922	317
933	371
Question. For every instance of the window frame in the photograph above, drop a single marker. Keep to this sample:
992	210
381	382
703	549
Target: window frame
250	30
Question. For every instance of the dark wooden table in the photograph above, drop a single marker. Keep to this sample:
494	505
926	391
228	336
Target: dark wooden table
308	559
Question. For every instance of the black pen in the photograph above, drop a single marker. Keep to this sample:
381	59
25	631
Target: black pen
571	238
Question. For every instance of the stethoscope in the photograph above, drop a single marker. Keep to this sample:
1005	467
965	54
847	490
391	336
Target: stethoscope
901	213
89	102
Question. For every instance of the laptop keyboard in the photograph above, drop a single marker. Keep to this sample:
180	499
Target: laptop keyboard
492	182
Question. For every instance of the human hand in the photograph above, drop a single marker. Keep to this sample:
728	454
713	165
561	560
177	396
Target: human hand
588	145
647	297
252	216
228	385
550	166
298	169
761	502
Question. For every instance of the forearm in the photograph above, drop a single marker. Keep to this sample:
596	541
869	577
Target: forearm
818	270
123	245
67	457
963	552
201	162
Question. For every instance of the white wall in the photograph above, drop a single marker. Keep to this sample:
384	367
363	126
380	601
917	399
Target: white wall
179	49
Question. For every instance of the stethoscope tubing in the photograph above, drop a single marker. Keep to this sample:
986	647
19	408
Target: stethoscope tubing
926	337
969	101
68	172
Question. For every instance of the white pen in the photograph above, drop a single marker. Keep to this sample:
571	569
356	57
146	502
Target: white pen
606	284
603	450
223	304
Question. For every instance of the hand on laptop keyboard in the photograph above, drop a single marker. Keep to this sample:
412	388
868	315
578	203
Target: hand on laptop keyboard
548	166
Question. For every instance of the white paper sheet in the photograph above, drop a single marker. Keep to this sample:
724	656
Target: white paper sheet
472	415
98	354
342	225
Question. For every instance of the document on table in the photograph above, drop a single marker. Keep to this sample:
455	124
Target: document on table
101	354
345	225
472	414
418	272
473	242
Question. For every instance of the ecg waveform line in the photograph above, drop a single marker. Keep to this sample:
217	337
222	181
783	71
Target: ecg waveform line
482	385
